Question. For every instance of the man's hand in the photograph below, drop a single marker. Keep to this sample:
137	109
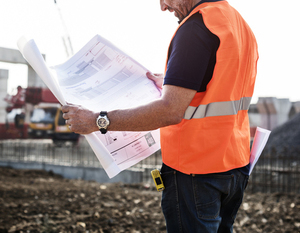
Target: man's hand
79	119
157	78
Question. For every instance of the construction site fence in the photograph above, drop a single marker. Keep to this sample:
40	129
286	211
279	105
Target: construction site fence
274	172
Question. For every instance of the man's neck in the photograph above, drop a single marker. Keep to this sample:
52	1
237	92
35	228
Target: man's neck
196	2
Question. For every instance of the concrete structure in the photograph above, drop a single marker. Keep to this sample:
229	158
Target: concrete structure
273	111
296	106
295	109
77	172
254	116
3	92
14	56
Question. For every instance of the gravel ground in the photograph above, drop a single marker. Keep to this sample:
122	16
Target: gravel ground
39	201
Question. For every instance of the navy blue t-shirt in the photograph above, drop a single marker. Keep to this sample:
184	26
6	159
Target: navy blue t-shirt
192	57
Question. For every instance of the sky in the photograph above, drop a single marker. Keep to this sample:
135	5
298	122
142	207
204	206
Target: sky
143	31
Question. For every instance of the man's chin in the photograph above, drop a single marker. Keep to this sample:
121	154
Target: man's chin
179	16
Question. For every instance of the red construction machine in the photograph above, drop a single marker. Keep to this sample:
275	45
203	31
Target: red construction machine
36	113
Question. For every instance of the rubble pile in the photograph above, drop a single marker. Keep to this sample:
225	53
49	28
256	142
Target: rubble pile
285	138
40	201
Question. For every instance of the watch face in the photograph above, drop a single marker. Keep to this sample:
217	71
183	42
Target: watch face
102	122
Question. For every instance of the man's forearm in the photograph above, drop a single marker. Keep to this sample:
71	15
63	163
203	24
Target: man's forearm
167	110
143	118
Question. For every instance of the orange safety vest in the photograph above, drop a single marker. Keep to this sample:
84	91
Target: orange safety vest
214	134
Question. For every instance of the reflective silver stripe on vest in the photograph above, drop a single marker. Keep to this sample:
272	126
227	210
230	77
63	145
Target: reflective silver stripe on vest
217	109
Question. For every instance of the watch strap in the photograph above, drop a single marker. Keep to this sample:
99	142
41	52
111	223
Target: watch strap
103	131
103	113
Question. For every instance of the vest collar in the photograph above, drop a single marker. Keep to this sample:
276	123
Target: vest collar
199	3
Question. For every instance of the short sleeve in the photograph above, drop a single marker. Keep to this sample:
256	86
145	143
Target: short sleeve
192	55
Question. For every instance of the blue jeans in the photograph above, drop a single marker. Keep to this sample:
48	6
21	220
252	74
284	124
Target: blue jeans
201	203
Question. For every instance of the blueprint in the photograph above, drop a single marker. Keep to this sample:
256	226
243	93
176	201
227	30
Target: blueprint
102	77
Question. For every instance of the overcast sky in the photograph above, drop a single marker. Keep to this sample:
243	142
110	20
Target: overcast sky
144	32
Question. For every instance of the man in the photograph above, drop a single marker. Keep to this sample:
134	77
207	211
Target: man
202	113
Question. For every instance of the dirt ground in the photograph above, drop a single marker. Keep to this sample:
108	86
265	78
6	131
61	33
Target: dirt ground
39	201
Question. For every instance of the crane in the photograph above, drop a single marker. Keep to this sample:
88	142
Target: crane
65	37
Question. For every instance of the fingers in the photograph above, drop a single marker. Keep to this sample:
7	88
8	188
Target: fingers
156	78
65	108
152	76
78	118
68	123
69	111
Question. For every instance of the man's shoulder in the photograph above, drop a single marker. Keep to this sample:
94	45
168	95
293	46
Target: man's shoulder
194	21
193	27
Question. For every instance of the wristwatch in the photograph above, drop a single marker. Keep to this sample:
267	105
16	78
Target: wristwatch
102	122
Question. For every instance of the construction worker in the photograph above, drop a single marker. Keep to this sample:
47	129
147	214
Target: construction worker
202	116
